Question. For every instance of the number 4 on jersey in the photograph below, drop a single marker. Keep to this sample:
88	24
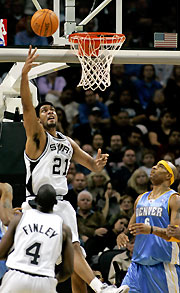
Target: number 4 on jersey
33	251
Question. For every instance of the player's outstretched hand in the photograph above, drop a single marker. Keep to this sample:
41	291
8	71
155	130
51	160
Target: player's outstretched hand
139	228
100	160
29	63
122	240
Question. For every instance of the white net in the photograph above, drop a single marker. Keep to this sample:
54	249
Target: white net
95	52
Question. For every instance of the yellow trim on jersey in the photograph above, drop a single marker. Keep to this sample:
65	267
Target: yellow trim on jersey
139	197
170	198
159	195
168	168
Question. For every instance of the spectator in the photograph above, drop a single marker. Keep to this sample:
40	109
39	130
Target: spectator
156	106
135	142
97	243
146	85
50	87
86	131
66	101
121	124
172	90
28	37
62	124
115	154
169	157
119	80
91	101
172	145
126	102
97	142
148	160
121	262
79	183
138	182
128	166
96	183
159	134
127	205
90	223
109	201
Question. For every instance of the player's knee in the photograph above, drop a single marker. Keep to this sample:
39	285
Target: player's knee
79	249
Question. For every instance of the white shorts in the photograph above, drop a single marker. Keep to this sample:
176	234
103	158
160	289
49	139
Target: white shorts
64	209
17	282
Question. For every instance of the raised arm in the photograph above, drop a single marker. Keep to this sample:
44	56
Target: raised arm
34	130
67	265
83	158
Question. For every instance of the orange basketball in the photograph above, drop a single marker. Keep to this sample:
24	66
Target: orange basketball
44	22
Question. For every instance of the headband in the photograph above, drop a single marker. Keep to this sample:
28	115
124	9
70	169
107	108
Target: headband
168	168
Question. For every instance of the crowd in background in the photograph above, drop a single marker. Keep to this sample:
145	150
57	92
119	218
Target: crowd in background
136	120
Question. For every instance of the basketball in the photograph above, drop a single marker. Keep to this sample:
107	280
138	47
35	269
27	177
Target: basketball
44	22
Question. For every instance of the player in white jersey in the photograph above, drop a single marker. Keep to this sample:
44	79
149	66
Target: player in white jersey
44	142
40	240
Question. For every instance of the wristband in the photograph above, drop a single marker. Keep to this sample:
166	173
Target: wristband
151	230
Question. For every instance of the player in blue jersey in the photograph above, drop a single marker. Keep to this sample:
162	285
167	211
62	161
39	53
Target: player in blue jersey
155	261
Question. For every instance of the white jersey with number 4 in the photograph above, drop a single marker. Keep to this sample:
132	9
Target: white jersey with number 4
51	167
37	243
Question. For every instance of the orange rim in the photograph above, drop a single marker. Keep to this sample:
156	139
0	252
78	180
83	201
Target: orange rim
96	36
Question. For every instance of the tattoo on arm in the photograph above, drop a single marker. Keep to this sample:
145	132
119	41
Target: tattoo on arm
161	232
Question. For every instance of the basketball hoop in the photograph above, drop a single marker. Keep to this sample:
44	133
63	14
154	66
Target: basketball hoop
95	52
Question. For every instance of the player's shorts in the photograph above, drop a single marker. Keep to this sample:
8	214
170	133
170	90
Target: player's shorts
18	282
64	209
160	278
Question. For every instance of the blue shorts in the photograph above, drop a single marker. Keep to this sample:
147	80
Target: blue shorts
160	278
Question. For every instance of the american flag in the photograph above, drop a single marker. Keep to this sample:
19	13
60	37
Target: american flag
165	40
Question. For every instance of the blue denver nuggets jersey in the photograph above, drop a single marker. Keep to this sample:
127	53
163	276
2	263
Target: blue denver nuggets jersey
151	249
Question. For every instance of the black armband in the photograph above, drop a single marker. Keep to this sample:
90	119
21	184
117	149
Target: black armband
151	230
